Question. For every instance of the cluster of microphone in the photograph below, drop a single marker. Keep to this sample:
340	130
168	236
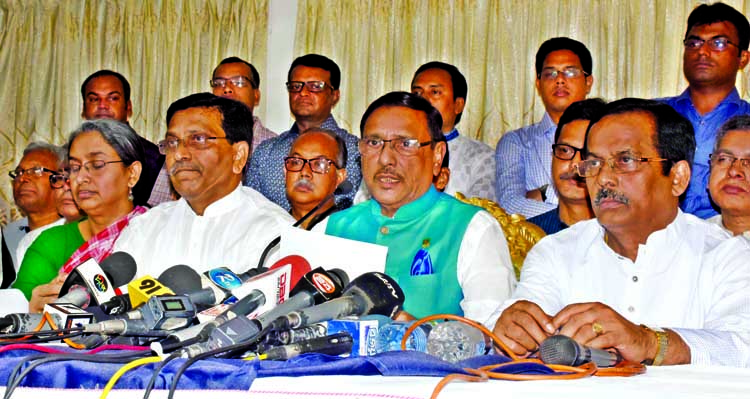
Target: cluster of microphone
192	314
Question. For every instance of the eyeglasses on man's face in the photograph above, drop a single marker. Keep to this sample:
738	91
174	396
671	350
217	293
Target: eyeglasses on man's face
94	168
404	145
550	74
565	152
313	86
719	43
723	160
319	165
59	179
33	172
194	142
624	162
236	81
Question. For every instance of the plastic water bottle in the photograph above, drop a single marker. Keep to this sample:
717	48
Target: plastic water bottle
454	341
390	336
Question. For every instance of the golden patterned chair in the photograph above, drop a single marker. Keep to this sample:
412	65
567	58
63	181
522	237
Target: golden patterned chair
520	233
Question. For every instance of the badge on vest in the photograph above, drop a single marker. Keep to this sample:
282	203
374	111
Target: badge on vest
422	263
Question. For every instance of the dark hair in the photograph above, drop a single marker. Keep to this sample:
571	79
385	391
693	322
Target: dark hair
737	122
674	139
120	136
584	110
706	14
107	72
411	101
563	43
318	61
341	152
238	60
236	117
457	79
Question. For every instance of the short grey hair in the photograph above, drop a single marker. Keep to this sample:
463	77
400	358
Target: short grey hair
341	154
739	122
120	136
41	146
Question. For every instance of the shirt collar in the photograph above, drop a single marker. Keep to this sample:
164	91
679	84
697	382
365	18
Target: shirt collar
547	124
732	98
452	135
410	211
329	124
667	237
221	206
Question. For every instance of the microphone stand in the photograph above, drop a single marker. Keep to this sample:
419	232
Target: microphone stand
344	188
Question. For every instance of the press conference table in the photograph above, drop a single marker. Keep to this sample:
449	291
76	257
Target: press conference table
660	382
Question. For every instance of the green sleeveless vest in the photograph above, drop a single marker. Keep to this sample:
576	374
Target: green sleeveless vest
423	240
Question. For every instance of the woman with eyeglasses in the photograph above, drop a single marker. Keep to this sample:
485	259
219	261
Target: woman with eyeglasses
104	163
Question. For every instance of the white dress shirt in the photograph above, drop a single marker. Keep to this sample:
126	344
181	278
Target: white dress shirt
484	270
232	232
29	238
690	277
717	220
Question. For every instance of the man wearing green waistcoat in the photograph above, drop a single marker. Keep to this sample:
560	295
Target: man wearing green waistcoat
447	256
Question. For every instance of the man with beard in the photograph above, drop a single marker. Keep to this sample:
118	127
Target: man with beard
615	282
570	136
316	165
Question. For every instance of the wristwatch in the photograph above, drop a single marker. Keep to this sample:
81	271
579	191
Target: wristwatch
662	343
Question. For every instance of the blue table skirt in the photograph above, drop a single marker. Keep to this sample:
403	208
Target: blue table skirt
239	374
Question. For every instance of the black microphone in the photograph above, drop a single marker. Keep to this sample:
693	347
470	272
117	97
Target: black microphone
344	188
370	293
334	345
101	280
560	349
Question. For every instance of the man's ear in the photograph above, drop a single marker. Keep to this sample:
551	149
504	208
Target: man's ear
340	176
129	109
257	98
744	58
680	177
336	95
239	158
589	83
438	154
458	105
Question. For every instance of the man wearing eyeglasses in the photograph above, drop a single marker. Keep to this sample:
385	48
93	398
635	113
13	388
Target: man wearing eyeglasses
34	197
217	221
643	279
563	76
313	87
447	256
316	165
729	183
570	136
106	95
716	44
238	79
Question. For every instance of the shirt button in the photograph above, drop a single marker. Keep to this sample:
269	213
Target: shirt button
635	279
384	230
631	309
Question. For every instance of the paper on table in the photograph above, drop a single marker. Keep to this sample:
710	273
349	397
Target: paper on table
353	257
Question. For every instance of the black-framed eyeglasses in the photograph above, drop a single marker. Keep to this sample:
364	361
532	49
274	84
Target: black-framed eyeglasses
319	165
94	168
403	145
59	179
313	86
567	73
34	172
719	43
194	142
624	162
236	81
723	160
565	152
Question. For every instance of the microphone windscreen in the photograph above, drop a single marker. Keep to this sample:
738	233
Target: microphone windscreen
299	266
345	187
340	276
120	267
182	279
381	293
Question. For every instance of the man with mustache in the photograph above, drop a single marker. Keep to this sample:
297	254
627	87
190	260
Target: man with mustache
313	87
643	279
34	197
716	44
217	221
316	165
523	158
447	256
570	136
729	182
106	95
